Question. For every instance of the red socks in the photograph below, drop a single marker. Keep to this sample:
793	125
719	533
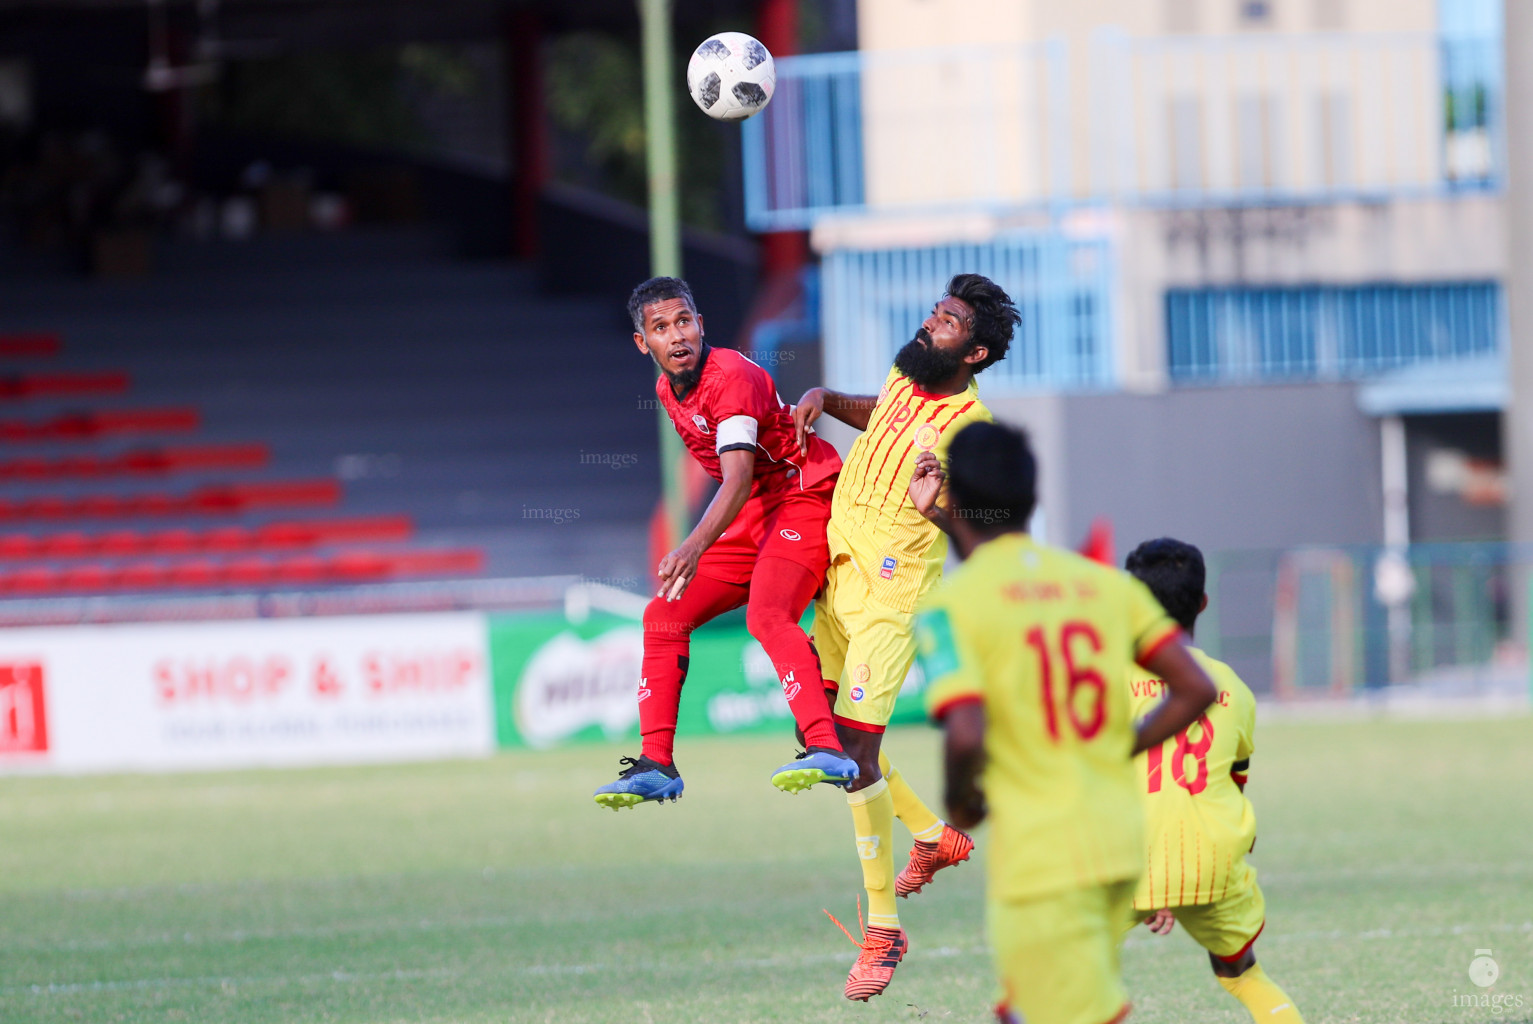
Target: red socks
780	591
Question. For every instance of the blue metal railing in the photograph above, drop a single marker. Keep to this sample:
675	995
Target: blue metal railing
1174	121
875	301
1228	335
931	128
1311	622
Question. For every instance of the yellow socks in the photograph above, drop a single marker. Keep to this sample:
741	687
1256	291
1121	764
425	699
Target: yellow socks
873	818
915	815
1261	998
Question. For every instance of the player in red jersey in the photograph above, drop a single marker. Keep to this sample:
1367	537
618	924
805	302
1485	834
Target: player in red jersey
761	543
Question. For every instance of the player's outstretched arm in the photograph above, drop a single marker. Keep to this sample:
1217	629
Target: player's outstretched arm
679	568
963	757
853	410
1190	691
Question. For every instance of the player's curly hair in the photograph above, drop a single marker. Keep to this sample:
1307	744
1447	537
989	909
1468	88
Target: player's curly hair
992	477
1174	572
995	315
657	289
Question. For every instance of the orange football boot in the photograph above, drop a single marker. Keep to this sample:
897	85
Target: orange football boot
926	859
882	951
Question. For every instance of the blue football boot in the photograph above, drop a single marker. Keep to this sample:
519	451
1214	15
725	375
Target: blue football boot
817	764
642	780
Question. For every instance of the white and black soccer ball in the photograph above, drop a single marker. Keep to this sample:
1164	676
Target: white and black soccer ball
731	76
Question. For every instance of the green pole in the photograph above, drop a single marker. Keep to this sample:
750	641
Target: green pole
664	215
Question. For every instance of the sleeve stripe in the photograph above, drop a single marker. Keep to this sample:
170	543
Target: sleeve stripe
940	711
1175	633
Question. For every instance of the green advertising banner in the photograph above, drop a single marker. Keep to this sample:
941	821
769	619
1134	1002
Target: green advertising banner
559	682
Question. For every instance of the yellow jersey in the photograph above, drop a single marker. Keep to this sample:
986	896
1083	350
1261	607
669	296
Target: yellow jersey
1200	826
873	522
1044	639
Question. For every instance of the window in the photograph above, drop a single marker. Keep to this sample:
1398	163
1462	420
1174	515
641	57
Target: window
1255	13
1181	16
1330	15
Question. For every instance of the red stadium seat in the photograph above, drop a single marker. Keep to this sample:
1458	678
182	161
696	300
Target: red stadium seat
119	543
90	577
277	537
144	461
34	385
174	542
249	572
142	576
35	580
92	425
213	499
198	573
299	569
67	545
226	539
30	344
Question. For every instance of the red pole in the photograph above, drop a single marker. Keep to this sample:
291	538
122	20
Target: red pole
529	129
777	28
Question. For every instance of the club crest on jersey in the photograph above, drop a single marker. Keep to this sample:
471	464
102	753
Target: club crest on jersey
857	694
790	535
886	570
702	424
861	673
927	437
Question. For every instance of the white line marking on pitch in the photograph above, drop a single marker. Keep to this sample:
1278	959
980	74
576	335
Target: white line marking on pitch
760	963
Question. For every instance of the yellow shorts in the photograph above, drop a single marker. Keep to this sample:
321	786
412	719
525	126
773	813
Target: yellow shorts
1057	956
1227	927
866	648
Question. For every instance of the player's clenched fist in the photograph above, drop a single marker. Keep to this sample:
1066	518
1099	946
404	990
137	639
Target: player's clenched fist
926	483
677	569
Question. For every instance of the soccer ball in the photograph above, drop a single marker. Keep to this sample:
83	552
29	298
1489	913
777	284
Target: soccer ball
731	76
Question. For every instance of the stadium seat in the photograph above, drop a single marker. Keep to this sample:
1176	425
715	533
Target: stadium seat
275	538
211	499
143	461
245	572
30	344
35	385
89	426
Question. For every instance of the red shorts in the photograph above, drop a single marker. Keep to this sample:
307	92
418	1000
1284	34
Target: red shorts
782	524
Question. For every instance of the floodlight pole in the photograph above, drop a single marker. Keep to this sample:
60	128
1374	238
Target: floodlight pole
1517	417
664	217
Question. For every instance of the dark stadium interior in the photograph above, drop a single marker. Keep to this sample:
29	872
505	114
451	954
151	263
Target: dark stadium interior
430	324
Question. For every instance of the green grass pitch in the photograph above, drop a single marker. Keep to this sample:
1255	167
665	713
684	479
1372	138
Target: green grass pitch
497	891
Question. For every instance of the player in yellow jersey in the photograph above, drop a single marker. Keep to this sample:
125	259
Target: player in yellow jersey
1026	650
1200	824
884	556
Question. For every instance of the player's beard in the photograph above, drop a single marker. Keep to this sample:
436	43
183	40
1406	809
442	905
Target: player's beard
682	383
926	364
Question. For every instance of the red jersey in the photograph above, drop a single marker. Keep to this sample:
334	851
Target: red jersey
736	405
